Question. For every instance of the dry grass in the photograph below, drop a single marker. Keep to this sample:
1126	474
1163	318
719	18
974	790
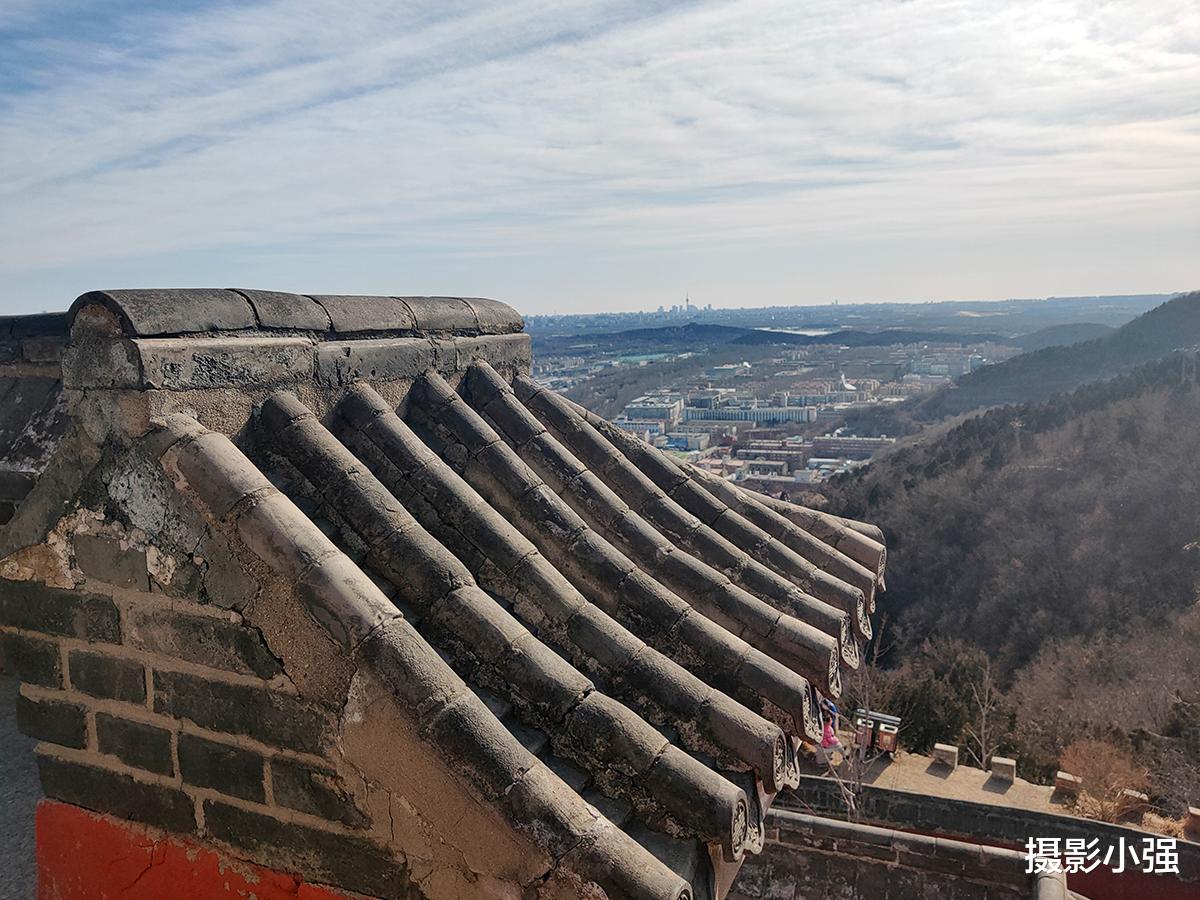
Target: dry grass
1107	772
1162	825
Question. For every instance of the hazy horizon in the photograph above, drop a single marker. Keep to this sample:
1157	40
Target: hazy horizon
732	307
610	156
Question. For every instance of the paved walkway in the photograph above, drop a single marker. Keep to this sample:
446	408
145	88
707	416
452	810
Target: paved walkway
19	794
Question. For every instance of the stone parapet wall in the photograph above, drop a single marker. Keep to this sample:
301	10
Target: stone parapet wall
993	823
172	312
809	857
32	344
31	419
263	361
136	357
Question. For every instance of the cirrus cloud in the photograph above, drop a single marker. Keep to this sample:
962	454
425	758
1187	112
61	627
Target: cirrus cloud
602	154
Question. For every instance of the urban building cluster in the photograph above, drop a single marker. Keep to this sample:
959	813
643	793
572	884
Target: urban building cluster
782	416
778	442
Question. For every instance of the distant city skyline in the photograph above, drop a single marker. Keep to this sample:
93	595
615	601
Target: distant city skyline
601	156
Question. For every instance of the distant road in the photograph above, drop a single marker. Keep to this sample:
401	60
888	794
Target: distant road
19	794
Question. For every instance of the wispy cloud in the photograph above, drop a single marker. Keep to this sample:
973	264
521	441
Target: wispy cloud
602	152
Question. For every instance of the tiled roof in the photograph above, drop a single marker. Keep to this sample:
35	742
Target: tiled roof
638	638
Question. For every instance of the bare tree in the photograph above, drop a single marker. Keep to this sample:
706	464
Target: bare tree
983	732
868	687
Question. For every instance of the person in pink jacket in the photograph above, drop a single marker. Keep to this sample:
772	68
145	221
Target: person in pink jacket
830	742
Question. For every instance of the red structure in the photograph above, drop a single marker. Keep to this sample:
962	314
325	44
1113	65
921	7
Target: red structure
85	856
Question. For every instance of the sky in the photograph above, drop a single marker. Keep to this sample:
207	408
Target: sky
572	157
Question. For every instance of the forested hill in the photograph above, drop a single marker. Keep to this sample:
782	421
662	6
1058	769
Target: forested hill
1071	518
1175	325
1062	335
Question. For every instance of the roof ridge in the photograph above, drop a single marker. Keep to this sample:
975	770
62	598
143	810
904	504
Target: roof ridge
178	312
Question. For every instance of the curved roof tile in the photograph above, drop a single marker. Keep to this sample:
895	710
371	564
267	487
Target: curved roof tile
185	311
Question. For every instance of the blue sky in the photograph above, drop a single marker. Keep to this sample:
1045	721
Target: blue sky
608	155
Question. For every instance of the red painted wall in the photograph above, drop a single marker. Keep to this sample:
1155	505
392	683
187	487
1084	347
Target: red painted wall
85	856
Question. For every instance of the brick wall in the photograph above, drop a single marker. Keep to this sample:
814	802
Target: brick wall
1008	827
32	341
31	349
174	714
806	856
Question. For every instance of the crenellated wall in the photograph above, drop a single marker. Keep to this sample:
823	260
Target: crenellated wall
810	857
1007	827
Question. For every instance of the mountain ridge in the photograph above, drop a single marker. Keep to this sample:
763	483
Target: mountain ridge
1038	375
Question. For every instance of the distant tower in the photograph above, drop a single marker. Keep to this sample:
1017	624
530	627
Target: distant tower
687	301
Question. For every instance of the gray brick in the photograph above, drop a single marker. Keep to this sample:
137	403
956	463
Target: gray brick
117	794
176	366
230	770
273	718
318	792
106	676
495	317
203	640
52	325
353	864
135	743
344	362
35	607
15	485
47	349
32	660
185	580
56	721
443	314
102	557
